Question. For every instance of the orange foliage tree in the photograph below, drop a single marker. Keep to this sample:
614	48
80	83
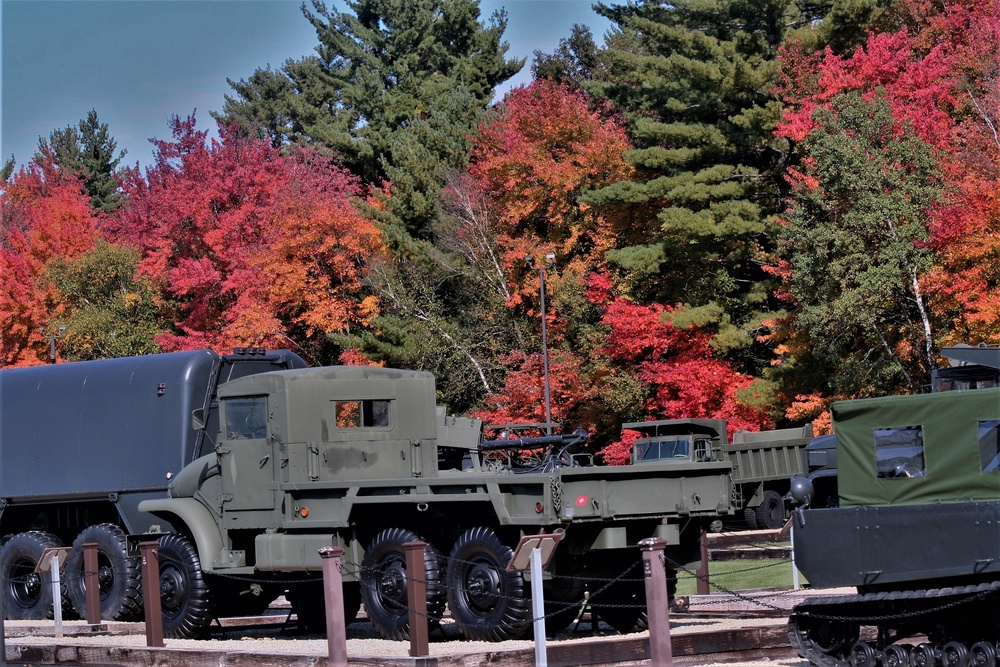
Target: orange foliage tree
533	161
45	218
252	247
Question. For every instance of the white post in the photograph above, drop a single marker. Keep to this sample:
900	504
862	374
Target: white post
538	607
56	593
795	569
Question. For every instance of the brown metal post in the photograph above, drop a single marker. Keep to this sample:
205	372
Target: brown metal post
703	587
416	595
660	650
91	584
333	593
151	593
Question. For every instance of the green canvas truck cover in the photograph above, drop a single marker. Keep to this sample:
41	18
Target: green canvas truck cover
930	448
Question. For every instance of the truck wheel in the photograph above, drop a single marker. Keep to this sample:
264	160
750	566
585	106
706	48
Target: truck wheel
750	516
119	578
184	596
27	595
383	579
771	512
487	602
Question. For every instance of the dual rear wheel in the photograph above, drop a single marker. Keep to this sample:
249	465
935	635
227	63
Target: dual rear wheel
28	594
487	602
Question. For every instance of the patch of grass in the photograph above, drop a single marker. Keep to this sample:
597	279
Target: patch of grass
739	575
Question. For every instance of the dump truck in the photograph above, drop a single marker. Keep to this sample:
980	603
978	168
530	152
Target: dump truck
362	458
762	461
81	445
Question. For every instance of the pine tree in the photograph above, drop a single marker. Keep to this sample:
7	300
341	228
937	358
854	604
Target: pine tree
696	80
87	150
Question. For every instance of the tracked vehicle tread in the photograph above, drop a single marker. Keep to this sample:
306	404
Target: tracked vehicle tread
839	616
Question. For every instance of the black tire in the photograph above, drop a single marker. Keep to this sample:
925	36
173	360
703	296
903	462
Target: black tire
184	596
487	602
27	595
309	604
771	511
384	583
622	604
119	578
750	516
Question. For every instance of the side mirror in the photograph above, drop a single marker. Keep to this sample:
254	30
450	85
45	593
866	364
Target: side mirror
198	419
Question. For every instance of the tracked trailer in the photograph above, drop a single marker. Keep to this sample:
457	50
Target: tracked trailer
917	533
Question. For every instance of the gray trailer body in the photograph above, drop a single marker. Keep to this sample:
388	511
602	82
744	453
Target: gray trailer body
102	426
84	443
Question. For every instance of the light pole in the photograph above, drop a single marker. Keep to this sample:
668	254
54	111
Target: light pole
550	260
52	337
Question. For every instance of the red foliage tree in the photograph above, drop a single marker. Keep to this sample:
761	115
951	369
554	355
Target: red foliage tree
254	247
44	217
682	376
523	397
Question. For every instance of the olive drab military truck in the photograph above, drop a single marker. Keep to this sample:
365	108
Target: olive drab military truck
362	458
763	462
81	444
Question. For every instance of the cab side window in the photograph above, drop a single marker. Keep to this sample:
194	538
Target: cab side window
246	417
369	413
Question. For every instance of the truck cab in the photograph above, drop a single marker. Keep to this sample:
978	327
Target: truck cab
678	440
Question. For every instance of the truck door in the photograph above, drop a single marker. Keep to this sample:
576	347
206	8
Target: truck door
245	455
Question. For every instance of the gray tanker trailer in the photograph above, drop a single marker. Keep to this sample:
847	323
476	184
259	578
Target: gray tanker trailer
81	445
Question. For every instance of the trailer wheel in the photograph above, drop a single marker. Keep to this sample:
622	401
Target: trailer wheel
383	583
750	516
487	602
27	595
184	595
771	512
119	578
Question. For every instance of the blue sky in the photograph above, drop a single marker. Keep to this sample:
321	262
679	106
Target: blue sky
138	62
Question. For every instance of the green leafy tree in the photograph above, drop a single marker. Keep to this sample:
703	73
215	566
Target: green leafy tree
8	169
88	150
112	311
855	252
388	75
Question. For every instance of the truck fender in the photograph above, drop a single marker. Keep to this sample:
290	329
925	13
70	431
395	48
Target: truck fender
191	517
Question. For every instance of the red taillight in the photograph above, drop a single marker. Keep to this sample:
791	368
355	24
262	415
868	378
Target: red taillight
581	501
539	507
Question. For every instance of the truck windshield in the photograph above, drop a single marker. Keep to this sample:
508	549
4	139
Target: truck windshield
655	450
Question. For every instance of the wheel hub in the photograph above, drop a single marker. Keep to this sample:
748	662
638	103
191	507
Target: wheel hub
105	577
392	584
171	587
483	585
